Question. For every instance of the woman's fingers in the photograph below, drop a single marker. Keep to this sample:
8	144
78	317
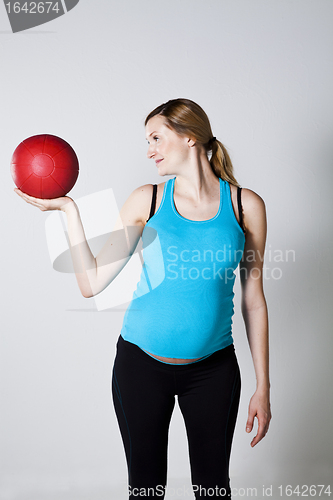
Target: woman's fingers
30	199
44	204
26	196
259	407
260	432
263	425
250	420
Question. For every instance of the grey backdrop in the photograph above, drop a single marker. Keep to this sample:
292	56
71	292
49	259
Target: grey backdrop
262	70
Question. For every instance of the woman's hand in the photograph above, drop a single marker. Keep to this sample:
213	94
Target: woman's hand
259	407
61	203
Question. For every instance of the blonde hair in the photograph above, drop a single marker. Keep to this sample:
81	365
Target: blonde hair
186	117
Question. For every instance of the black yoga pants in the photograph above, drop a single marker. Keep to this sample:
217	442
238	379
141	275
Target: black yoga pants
208	391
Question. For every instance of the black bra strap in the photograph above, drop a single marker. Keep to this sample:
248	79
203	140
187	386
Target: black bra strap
153	202
240	210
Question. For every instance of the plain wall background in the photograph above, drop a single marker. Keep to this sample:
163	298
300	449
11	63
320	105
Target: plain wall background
262	70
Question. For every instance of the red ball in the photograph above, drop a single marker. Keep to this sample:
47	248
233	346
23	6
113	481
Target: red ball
44	166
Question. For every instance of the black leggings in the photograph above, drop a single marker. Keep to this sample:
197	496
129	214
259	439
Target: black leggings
143	391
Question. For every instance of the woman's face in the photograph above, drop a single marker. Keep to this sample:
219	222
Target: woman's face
168	149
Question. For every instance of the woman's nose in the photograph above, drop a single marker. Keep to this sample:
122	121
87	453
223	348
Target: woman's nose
151	151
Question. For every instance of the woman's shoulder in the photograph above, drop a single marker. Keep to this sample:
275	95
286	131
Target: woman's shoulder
146	190
254	210
142	196
253	206
251	199
247	193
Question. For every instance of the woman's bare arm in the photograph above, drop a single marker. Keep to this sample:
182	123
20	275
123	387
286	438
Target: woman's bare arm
94	274
254	309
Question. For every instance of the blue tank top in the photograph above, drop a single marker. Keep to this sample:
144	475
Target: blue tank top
183	304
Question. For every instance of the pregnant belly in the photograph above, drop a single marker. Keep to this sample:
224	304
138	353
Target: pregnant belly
172	360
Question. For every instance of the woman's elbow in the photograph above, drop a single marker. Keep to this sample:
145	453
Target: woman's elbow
87	294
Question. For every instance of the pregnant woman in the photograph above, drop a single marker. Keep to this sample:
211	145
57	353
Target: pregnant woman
197	227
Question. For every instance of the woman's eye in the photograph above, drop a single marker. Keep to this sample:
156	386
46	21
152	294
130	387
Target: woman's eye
153	138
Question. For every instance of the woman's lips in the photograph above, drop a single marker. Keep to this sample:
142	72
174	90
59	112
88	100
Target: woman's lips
158	161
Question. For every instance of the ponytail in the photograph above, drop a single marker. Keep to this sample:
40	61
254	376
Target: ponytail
221	163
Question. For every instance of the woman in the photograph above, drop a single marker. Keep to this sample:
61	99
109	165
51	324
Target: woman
176	337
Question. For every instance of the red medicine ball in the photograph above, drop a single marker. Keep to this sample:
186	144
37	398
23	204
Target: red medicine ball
44	166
